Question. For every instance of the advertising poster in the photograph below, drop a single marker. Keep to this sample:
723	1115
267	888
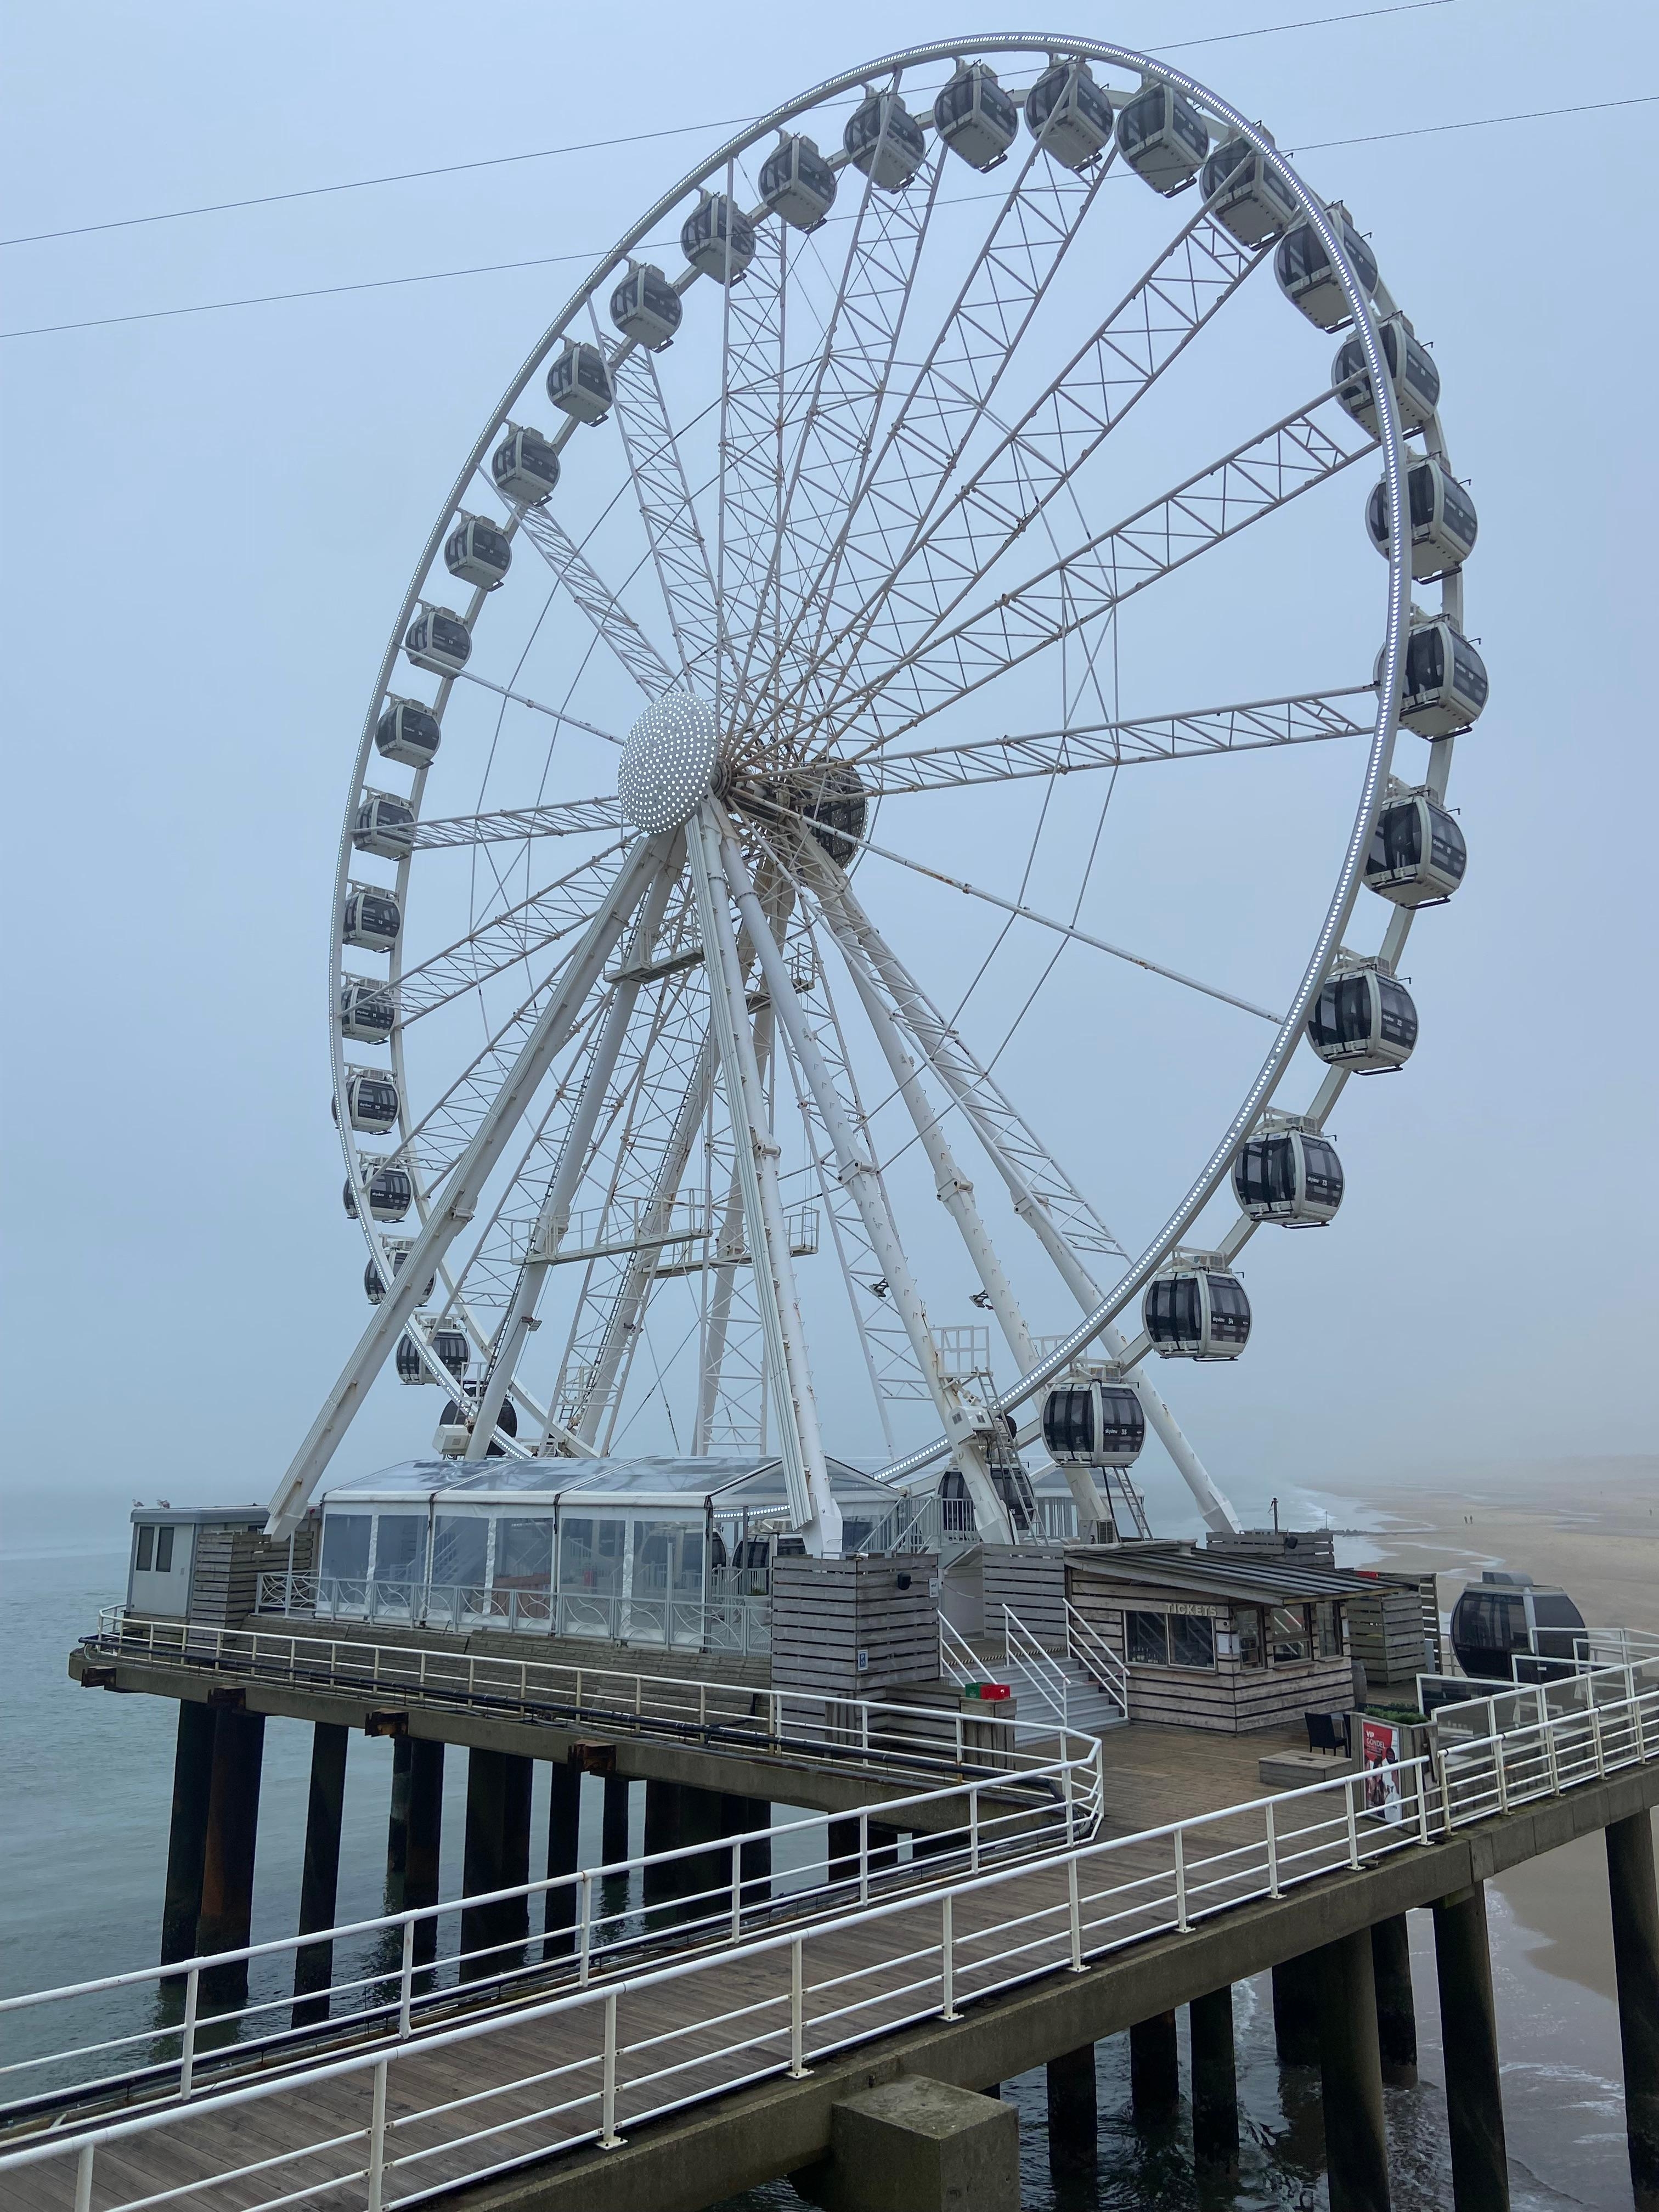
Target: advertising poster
1380	1757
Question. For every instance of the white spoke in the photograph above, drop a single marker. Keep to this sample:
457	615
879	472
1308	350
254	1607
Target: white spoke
567	819
671	528
527	928
609	618
536	706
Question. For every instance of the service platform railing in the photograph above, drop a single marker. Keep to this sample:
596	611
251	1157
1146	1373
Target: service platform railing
737	1625
418	2112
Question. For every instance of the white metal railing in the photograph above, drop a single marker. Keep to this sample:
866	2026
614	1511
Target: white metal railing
409	1972
1097	1658
1037	1669
616	2054
738	1624
958	1661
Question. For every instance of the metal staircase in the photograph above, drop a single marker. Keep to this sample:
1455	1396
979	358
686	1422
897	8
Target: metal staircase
1084	1686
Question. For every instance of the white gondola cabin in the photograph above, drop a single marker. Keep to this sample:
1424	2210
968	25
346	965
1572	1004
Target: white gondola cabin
371	1100
718	238
399	1247
885	141
1443	686
368	1012
1163	137
645	306
1288	1173
797	184
391	1194
407	732
1443	523
579	383
1412	372
1195	1308
1306	275
1093	1424
1069	115
438	641
373	918
974	117
1247	195
1364	1019
1416	854
384	826
478	551
525	466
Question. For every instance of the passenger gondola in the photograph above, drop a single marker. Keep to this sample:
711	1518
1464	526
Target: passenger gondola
373	919
1444	686
1307	275
1506	1628
1288	1173
579	383
884	140
525	466
391	1194
1093	1424
384	826
646	308
1195	1308
1416	854
797	184
375	1289
371	1100
1247	195
478	552
439	640
718	238
458	1414
1443	520
367	1011
1069	114
1163	137
1412	372
407	732
833	800
1364	1019
974	117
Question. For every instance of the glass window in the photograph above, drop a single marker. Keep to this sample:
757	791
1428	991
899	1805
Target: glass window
400	1547
458	1551
1247	1627
1192	1640
1146	1639
1330	1632
164	1551
1229	1310
1290	1634
524	1554
146	1558
667	1557
590	1554
345	1545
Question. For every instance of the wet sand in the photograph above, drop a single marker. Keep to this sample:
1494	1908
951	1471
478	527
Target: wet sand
1591	1525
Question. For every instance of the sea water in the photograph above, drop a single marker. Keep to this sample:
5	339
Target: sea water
84	1829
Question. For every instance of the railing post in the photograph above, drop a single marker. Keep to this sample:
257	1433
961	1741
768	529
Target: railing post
1182	1920
1422	1772
406	1983
961	1753
973	1827
737	1892
83	2179
1503	1774
585	1941
798	2068
947	1967
1348	1781
1273	1850
377	2140
1595	1734
187	2049
863	1856
1074	1909
609	2138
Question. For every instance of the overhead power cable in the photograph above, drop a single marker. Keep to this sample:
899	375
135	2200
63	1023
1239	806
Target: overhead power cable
555	260
599	145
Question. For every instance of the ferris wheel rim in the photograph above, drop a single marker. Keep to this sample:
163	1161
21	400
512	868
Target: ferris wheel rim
1390	442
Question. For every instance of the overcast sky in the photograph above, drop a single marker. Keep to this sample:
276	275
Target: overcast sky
211	519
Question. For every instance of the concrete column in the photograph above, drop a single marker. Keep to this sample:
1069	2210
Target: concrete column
1296	2011
663	1810
319	1878
1396	2008
884	1846
918	2146
192	1778
1073	2121
426	1819
396	1826
1468	2035
842	1850
1215	2086
1635	1963
496	1855
233	1832
1155	2068
563	1823
1351	2070
613	1827
702	1821
738	1815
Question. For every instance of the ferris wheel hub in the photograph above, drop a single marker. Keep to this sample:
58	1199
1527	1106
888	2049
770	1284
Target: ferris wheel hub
668	761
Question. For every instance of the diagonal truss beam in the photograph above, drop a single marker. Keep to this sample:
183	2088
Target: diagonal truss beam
568	818
671	528
555	911
611	619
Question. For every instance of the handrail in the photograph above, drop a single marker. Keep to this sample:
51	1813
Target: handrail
1096	1657
1036	1665
786	2009
958	1661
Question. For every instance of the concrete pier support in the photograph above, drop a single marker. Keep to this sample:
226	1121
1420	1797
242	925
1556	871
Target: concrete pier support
319	1877
192	1780
842	1850
1155	2068
233	1832
396	1826
1073	2118
1356	2153
918	2146
1635	1963
496	1855
613	1822
425	1840
739	1816
563	1827
1215	2087
1396	2008
1468	2034
1296	2011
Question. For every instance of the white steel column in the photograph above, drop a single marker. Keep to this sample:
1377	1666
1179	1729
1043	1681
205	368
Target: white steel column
817	1514
554	1217
857	935
458	1201
858	1174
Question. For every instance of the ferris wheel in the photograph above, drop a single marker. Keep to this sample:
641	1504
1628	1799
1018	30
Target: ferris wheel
718	976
